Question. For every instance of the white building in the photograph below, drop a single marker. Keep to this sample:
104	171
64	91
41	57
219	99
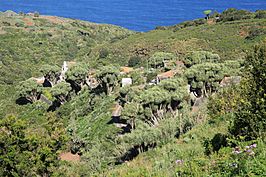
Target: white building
126	81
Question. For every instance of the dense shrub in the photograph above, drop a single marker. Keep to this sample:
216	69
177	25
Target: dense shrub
21	13
224	101
6	23
134	61
103	53
187	24
30	151
160	28
234	14
200	21
19	24
250	118
137	78
150	75
36	14
255	32
260	14
215	144
215	14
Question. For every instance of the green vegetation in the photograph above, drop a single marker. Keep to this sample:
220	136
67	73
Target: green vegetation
207	13
186	113
60	91
134	61
28	150
159	59
47	40
77	76
30	90
250	118
51	73
108	78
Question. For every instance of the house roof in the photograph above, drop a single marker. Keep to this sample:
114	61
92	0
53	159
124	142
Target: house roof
117	110
39	80
126	69
167	74
178	62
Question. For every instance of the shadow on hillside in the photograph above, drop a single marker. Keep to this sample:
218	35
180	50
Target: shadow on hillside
54	106
120	123
134	152
46	83
117	120
22	101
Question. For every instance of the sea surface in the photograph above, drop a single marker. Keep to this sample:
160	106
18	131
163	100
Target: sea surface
139	15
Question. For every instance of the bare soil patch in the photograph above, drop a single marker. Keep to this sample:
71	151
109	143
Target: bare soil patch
68	156
53	19
28	21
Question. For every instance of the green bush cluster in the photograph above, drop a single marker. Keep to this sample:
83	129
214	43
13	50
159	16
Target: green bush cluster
159	59
234	14
225	101
199	57
134	61
30	151
260	14
197	22
255	32
250	118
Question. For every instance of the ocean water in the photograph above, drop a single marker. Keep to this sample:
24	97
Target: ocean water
139	15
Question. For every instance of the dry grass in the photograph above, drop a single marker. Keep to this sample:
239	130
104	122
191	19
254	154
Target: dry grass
53	19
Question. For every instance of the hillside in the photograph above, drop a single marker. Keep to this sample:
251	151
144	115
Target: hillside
83	99
29	41
229	39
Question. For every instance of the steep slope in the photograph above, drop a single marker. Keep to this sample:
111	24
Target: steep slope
228	39
162	123
29	41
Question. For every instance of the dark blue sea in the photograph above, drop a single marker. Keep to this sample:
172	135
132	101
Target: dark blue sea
139	15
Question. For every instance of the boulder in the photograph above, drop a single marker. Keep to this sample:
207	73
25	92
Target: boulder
230	81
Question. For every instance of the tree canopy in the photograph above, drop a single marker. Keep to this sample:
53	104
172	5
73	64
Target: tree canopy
51	73
204	78
159	59
198	57
250	118
207	12
60	91
77	76
30	151
30	90
107	76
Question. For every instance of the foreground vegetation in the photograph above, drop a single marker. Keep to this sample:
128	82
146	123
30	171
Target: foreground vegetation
186	112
